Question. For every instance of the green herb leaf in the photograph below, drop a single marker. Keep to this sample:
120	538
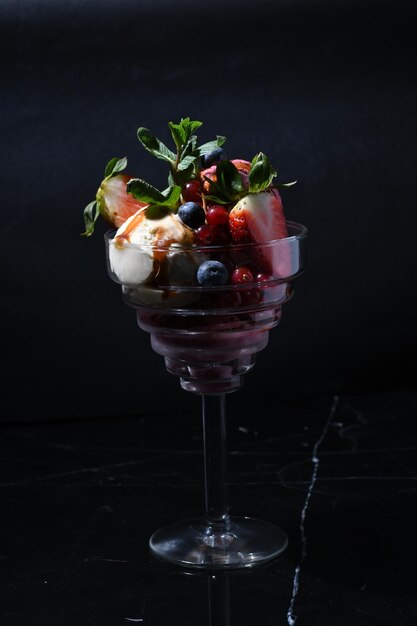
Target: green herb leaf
183	176
91	214
211	145
229	179
186	162
261	173
217	199
178	134
153	145
156	211
143	191
114	166
190	126
190	147
172	195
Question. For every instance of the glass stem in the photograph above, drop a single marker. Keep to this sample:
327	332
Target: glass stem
214	434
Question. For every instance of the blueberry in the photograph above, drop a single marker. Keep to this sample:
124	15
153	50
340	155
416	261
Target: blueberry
212	273
212	157
192	214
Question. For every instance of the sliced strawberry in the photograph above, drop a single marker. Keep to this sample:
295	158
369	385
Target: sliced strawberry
259	218
114	203
210	172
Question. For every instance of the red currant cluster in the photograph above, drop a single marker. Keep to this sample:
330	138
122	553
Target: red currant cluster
216	232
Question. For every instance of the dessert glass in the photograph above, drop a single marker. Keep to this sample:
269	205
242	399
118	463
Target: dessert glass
209	337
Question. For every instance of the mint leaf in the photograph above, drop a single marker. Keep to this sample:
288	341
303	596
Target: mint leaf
195	126
186	162
190	126
91	214
171	195
211	145
114	166
190	147
153	145
180	177
144	192
261	173
178	134
156	211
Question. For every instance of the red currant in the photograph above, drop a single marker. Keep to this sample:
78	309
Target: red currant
205	235
208	235
191	192
261	278
241	275
217	215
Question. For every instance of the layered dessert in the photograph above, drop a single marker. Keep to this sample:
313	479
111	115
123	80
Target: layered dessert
206	262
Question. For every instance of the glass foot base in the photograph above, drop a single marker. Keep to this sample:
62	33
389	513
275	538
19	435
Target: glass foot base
245	542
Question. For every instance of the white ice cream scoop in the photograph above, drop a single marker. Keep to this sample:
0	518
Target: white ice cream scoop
141	245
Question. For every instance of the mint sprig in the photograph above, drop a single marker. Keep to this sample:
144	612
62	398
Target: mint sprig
91	212
184	162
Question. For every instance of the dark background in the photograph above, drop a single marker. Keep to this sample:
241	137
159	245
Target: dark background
326	89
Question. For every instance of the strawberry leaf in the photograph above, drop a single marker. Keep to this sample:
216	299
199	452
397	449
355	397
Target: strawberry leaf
261	173
91	214
153	145
144	192
114	166
217	199
229	180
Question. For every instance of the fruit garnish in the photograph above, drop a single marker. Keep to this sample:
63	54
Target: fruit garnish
115	205
192	214
112	201
259	218
224	203
191	192
217	215
241	275
212	274
208	235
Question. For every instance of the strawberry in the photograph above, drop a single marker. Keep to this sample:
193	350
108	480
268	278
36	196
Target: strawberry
259	218
113	201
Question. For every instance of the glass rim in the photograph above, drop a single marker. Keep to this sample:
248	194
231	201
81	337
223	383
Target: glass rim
301	234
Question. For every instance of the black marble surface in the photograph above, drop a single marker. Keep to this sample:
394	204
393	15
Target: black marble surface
80	499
